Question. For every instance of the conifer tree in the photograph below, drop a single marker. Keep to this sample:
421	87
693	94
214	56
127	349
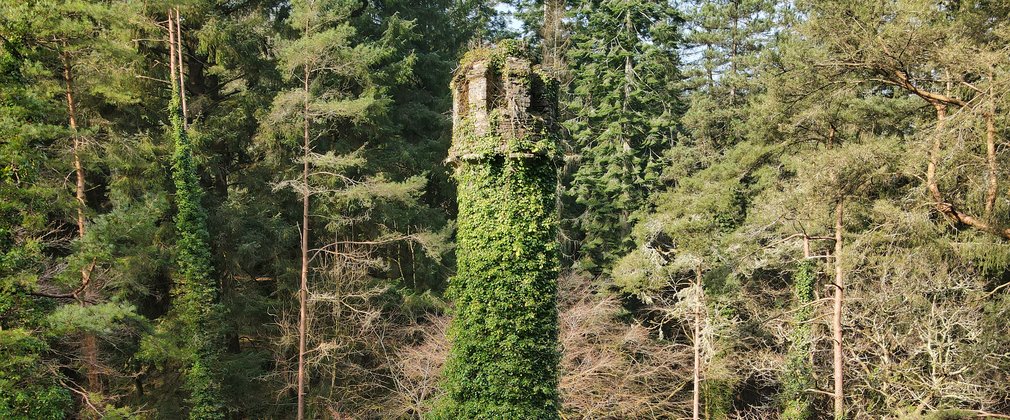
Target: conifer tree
74	45
338	73
29	388
624	115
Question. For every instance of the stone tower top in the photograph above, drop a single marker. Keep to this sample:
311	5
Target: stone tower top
503	105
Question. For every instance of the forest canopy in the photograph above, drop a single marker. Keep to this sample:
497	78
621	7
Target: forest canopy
746	209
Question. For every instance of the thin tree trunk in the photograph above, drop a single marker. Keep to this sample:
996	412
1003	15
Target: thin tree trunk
182	77
89	344
553	12
733	53
629	80
813	328
934	156
940	102
303	291
696	403
837	314
628	169
171	50
89	347
990	149
68	78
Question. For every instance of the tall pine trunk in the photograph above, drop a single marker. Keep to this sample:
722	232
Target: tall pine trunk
89	342
990	148
696	400
836	322
303	288
182	79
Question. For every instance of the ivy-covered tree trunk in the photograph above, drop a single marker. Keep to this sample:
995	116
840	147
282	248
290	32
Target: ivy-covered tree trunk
504	357
797	378
196	303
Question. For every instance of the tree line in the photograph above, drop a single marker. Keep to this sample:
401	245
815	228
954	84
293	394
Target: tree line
243	209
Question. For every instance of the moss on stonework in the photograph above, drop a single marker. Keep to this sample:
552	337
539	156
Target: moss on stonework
496	54
537	136
504	358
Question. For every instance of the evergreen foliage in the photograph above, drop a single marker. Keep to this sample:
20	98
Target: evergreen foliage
27	389
702	141
30	198
622	118
27	393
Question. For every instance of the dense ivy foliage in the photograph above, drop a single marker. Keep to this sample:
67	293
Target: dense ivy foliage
504	357
196	308
797	379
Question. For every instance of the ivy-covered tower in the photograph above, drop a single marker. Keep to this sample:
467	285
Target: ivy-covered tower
504	357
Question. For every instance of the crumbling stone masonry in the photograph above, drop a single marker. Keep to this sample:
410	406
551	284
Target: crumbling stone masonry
504	357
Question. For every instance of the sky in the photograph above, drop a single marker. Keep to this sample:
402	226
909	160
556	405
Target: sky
508	11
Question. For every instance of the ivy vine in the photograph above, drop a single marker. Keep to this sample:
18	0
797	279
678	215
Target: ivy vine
504	358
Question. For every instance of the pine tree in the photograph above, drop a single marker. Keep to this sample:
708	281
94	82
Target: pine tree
31	197
73	45
867	53
623	117
685	243
727	37
337	96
